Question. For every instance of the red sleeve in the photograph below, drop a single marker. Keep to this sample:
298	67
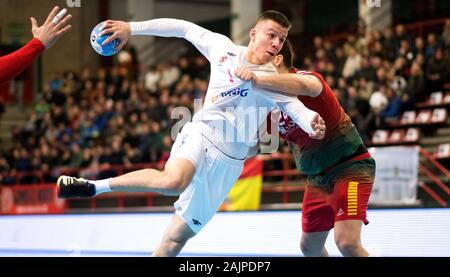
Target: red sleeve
11	65
326	104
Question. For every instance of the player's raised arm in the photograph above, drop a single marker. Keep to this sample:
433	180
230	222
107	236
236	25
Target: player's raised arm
43	38
200	37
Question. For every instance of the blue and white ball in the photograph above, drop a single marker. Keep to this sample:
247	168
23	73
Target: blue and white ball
97	40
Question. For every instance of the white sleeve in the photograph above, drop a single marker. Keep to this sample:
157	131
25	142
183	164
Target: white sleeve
203	39
291	106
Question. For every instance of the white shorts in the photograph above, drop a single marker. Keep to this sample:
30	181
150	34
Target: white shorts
215	175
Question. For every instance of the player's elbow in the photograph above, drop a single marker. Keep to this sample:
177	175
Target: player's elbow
173	185
301	87
315	89
308	85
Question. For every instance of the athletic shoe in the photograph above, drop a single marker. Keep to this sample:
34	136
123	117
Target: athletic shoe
68	187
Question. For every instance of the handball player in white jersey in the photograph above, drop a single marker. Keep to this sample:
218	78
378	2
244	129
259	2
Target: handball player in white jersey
209	153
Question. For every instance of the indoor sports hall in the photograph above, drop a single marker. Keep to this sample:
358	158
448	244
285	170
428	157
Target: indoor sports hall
92	90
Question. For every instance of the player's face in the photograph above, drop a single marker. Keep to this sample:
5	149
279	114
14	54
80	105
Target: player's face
267	40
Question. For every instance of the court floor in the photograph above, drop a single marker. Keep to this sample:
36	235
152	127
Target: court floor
391	232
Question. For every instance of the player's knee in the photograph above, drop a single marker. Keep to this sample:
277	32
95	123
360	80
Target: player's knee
304	248
178	239
310	250
171	245
347	246
174	184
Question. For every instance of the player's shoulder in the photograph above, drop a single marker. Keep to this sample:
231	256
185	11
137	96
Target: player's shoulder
224	51
301	72
317	75
239	49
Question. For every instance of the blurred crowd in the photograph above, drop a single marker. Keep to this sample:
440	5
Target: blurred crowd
381	73
98	118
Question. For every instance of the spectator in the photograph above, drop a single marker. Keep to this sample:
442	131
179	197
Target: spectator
419	46
388	42
367	71
432	45
400	35
446	36
437	71
352	64
394	106
415	88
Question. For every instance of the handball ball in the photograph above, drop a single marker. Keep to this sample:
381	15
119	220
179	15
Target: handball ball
97	40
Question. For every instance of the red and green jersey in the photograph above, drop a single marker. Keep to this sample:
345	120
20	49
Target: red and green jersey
341	141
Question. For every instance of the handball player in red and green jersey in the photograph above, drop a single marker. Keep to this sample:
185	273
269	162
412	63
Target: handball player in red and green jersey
340	171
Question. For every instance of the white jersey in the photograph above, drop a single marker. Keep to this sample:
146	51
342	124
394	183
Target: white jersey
233	109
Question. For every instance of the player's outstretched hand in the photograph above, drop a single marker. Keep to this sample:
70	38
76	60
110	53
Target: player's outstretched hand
53	28
117	29
318	125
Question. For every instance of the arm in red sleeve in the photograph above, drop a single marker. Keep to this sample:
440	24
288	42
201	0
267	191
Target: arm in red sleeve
11	65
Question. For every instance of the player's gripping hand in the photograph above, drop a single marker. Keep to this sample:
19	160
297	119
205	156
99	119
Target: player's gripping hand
52	29
318	125
245	74
117	29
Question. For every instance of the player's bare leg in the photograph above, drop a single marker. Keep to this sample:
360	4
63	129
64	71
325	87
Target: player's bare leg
171	181
313	244
347	235
174	239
